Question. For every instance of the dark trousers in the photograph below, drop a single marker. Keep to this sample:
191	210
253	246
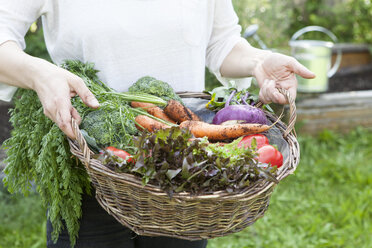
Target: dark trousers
98	229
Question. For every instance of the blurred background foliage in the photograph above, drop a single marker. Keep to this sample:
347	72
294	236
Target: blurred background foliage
349	20
35	44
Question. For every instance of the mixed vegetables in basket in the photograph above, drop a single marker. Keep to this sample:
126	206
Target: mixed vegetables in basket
147	131
174	148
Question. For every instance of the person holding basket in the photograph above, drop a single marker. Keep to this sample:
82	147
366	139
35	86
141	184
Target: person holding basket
171	40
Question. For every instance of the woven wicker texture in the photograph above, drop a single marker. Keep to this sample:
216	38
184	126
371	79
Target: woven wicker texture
147	210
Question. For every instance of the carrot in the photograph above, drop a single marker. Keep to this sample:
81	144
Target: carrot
222	132
158	112
142	105
179	113
144	122
152	110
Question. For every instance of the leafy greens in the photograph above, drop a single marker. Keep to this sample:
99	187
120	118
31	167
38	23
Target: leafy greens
174	161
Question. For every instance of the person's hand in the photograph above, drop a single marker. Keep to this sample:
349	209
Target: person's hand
55	87
278	71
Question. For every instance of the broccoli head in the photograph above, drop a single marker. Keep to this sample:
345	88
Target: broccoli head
154	87
110	126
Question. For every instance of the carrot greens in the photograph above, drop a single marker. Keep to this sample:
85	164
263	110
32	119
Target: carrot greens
38	152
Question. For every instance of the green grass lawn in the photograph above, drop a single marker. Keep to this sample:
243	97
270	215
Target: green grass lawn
22	221
326	203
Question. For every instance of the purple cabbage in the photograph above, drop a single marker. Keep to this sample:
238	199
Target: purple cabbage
243	113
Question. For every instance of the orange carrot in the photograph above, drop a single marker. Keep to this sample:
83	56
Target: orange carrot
222	132
143	105
158	112
179	113
145	122
152	110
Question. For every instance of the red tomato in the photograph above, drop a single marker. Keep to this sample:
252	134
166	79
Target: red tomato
270	155
261	140
120	153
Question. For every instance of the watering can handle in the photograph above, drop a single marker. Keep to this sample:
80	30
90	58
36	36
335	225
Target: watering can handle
307	29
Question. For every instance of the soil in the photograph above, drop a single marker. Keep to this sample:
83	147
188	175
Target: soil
5	126
352	79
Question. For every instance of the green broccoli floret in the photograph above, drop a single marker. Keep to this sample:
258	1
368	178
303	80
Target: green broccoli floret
155	87
110	127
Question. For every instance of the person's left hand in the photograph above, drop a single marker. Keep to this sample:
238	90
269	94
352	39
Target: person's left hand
278	71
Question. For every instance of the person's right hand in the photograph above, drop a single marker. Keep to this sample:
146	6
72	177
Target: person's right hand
55	87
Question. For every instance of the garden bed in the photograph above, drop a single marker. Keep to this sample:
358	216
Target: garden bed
352	79
348	101
346	105
340	111
355	71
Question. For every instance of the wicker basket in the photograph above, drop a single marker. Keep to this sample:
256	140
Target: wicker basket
148	210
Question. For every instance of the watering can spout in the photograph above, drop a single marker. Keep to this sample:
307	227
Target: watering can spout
316	55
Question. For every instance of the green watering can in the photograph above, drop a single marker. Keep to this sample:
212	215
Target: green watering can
316	55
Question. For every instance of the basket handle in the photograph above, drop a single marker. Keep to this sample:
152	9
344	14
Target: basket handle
81	142
292	111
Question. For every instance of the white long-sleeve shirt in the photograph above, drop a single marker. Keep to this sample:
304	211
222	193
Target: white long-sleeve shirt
171	40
